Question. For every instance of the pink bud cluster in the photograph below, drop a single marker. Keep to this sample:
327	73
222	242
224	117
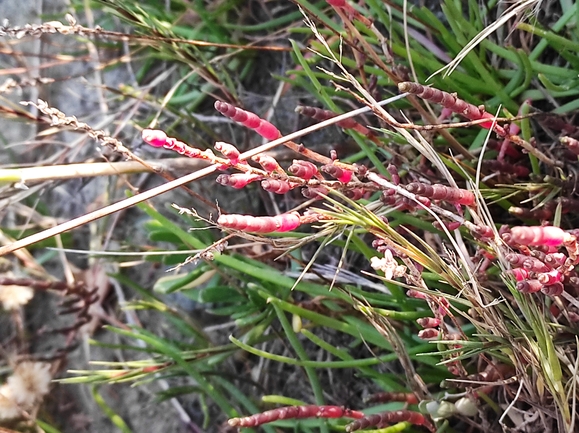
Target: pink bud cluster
541	269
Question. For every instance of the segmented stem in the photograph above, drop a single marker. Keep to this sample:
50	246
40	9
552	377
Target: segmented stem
293	412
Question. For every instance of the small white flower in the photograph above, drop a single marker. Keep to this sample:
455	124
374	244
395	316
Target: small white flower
13	297
8	407
29	382
388	265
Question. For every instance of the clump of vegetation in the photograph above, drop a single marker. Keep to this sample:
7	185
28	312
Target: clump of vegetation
417	275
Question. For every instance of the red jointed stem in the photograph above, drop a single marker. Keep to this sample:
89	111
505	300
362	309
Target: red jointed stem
385	418
279	223
293	412
441	192
539	235
451	102
249	120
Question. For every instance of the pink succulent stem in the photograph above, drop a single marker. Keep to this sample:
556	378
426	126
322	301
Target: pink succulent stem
277	186
279	223
451	102
229	151
158	138
441	192
249	120
237	180
539	235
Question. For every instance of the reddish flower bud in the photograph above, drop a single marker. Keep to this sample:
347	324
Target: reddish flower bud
539	235
154	137
339	173
571	143
248	119
527	262
267	130
553	289
520	274
428	334
355	193
415	294
393	174
549	278
304	169
529	286
315	192
441	192
279	223
294	412
228	150
555	259
237	180
268	163
157	138
277	186
428	322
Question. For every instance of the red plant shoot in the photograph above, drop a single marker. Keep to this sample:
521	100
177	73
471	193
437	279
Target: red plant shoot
385	418
249	120
279	223
451	102
294	412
